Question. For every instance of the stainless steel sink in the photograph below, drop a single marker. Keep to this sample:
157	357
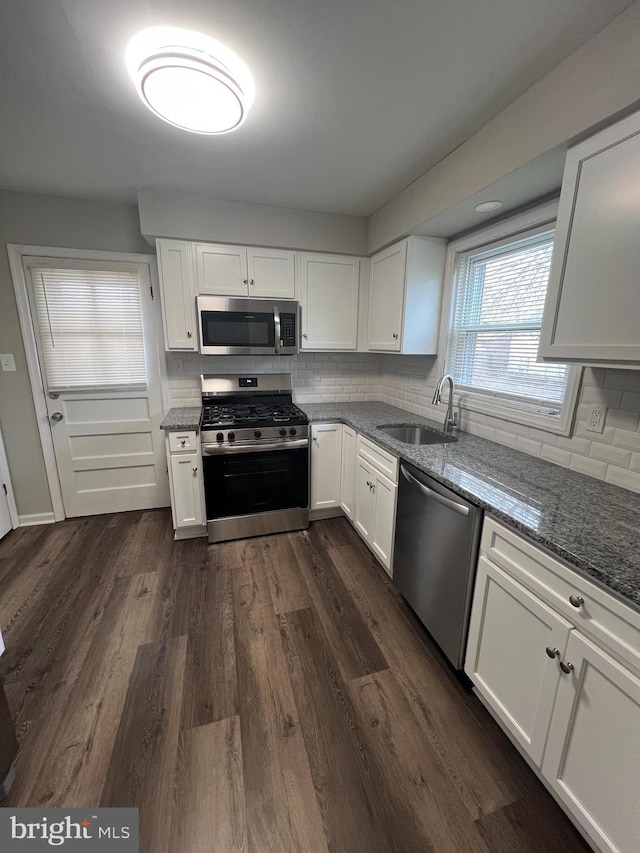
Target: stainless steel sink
417	434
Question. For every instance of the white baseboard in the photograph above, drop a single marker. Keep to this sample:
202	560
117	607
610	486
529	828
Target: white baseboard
36	518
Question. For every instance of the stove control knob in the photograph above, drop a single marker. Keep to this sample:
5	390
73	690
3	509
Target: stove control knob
293	431
258	433
283	431
220	436
231	436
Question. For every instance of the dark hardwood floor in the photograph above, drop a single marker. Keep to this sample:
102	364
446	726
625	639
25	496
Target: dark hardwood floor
269	695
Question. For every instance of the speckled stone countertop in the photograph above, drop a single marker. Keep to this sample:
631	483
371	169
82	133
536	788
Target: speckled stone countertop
186	417
590	524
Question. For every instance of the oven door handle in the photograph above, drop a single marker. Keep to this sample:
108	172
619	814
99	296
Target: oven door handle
227	450
276	328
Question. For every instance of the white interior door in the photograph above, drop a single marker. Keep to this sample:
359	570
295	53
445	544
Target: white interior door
97	346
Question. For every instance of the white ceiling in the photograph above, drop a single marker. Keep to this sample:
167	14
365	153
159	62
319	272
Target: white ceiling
355	98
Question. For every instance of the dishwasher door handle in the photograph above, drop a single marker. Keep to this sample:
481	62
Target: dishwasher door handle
461	509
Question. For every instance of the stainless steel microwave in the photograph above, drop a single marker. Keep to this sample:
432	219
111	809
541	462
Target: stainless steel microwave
229	326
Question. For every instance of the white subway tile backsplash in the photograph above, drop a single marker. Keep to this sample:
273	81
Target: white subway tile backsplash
588	466
623	477
610	455
554	454
409	381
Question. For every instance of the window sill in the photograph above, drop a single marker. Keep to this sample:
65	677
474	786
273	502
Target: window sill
528	416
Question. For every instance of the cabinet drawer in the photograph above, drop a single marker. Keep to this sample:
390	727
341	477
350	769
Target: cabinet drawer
187	440
600	614
382	461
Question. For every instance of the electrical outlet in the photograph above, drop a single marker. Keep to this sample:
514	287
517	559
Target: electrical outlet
317	376
595	421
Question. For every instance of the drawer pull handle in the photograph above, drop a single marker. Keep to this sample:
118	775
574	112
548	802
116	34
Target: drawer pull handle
576	600
566	667
553	653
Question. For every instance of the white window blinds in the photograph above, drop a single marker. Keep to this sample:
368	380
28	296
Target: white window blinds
90	328
498	302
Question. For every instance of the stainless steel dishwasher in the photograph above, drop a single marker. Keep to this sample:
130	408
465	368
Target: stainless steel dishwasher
434	559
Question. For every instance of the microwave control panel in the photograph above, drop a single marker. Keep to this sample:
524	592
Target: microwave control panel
287	330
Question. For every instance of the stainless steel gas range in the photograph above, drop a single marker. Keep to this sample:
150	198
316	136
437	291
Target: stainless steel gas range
255	448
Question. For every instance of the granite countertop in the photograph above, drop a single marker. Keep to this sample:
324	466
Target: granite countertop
591	524
183	417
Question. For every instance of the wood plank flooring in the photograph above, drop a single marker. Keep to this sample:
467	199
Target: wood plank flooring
274	695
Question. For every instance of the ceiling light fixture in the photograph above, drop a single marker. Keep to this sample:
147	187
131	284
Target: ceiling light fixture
190	80
486	206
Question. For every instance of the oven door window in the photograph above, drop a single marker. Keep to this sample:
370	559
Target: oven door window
238	329
244	484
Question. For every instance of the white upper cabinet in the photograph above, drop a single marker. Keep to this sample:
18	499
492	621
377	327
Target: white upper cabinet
593	300
272	273
405	292
177	293
328	294
238	271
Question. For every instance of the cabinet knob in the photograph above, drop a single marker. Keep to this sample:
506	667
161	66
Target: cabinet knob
189	335
305	335
566	667
315	437
553	653
245	280
56	416
183	442
251	281
195	470
576	600
395	335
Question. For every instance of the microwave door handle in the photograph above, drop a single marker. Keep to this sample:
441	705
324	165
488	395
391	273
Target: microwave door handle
276	326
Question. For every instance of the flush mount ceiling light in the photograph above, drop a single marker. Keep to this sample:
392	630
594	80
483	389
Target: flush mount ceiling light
190	80
486	206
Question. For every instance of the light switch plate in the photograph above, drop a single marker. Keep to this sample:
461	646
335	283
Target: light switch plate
7	362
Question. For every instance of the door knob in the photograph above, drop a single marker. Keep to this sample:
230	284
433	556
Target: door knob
56	416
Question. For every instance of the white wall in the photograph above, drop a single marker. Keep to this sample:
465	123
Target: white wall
192	217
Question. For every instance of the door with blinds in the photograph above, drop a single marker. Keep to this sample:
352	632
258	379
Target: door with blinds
97	347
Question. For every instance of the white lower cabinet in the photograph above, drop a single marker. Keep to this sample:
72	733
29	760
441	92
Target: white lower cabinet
375	509
507	656
592	760
185	480
326	454
348	472
556	659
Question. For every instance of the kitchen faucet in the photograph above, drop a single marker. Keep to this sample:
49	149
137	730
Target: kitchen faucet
451	418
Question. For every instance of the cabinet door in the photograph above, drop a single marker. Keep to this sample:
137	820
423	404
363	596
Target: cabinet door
221	270
593	299
272	272
365	479
348	472
326	452
177	294
507	658
186	484
328	291
385	495
592	759
386	298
